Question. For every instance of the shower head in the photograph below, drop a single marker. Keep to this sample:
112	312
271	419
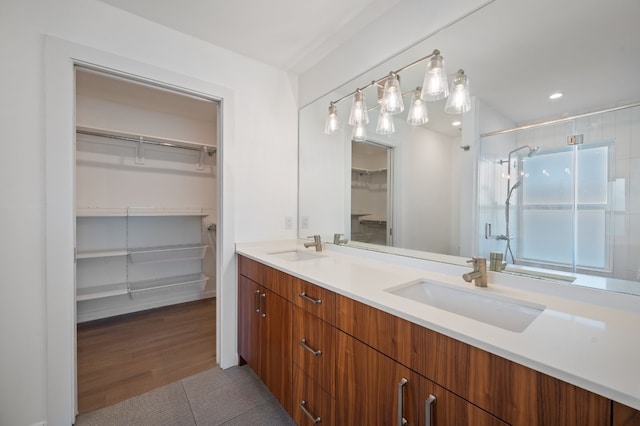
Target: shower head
513	188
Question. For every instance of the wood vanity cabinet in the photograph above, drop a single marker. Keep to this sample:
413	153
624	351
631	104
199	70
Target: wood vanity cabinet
332	360
264	336
313	354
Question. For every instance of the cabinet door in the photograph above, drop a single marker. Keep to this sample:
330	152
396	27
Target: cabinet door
249	322
372	389
439	407
275	344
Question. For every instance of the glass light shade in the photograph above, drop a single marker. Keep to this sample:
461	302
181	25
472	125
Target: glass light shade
332	125
459	100
435	85
392	95
418	111
359	133
385	124
359	113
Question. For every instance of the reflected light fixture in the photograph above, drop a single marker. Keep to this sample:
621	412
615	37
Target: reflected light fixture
332	125
556	95
359	133
359	114
418	111
385	124
459	100
392	95
435	86
390	99
456	123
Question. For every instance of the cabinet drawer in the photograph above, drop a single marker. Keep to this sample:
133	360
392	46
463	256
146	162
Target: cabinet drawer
382	331
316	300
311	402
268	277
314	348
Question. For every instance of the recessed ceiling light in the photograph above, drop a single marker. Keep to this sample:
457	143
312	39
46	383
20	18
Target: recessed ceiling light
456	123
556	95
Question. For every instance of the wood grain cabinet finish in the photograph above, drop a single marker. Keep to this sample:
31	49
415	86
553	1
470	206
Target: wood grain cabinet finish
314	348
625	416
510	391
264	337
371	389
311	404
315	299
270	278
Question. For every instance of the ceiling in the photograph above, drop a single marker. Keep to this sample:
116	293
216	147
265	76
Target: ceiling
291	35
515	52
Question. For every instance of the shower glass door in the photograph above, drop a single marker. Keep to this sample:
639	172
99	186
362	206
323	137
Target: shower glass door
569	204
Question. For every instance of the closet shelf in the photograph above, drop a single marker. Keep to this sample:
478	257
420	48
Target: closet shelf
151	254
140	211
100	253
182	280
130	288
166	253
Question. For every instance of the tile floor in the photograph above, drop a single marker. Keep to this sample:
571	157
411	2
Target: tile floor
214	397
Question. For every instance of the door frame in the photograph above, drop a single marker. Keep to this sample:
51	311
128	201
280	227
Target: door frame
61	57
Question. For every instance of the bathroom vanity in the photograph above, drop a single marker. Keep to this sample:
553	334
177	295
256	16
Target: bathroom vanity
339	338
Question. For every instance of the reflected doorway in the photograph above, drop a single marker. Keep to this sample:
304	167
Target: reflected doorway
371	194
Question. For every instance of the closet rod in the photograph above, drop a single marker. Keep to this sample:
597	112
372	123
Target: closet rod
209	150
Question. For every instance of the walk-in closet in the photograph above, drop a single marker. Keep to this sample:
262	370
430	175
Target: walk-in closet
145	209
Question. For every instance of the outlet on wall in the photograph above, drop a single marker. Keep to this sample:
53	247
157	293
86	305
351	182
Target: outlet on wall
288	222
304	222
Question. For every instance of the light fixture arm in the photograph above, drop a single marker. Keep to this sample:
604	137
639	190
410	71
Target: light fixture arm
378	81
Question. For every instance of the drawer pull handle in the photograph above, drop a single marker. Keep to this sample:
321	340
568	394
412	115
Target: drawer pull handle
310	299
429	409
263	297
401	420
314	419
303	343
256	301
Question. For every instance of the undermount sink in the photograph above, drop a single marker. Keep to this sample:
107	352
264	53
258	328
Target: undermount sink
295	255
509	314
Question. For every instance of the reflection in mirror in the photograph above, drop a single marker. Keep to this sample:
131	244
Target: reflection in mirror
371	207
572	208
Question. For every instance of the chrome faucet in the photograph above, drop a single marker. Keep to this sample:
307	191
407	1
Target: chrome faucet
479	274
317	243
337	241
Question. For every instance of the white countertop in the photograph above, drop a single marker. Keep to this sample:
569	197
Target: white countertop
586	337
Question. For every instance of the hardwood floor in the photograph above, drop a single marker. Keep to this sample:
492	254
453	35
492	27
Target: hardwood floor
132	354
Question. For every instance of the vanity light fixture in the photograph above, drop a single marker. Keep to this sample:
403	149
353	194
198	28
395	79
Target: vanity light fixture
459	100
359	114
390	98
332	125
418	111
556	95
359	133
392	95
456	123
385	124
435	86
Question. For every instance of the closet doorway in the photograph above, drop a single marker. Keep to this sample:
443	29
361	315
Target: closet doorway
371	195
145	234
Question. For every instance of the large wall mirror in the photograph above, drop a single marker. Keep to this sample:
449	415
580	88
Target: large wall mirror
551	185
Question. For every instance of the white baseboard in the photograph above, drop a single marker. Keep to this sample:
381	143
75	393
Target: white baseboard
39	424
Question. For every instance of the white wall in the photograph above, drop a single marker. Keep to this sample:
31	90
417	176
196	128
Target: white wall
261	164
